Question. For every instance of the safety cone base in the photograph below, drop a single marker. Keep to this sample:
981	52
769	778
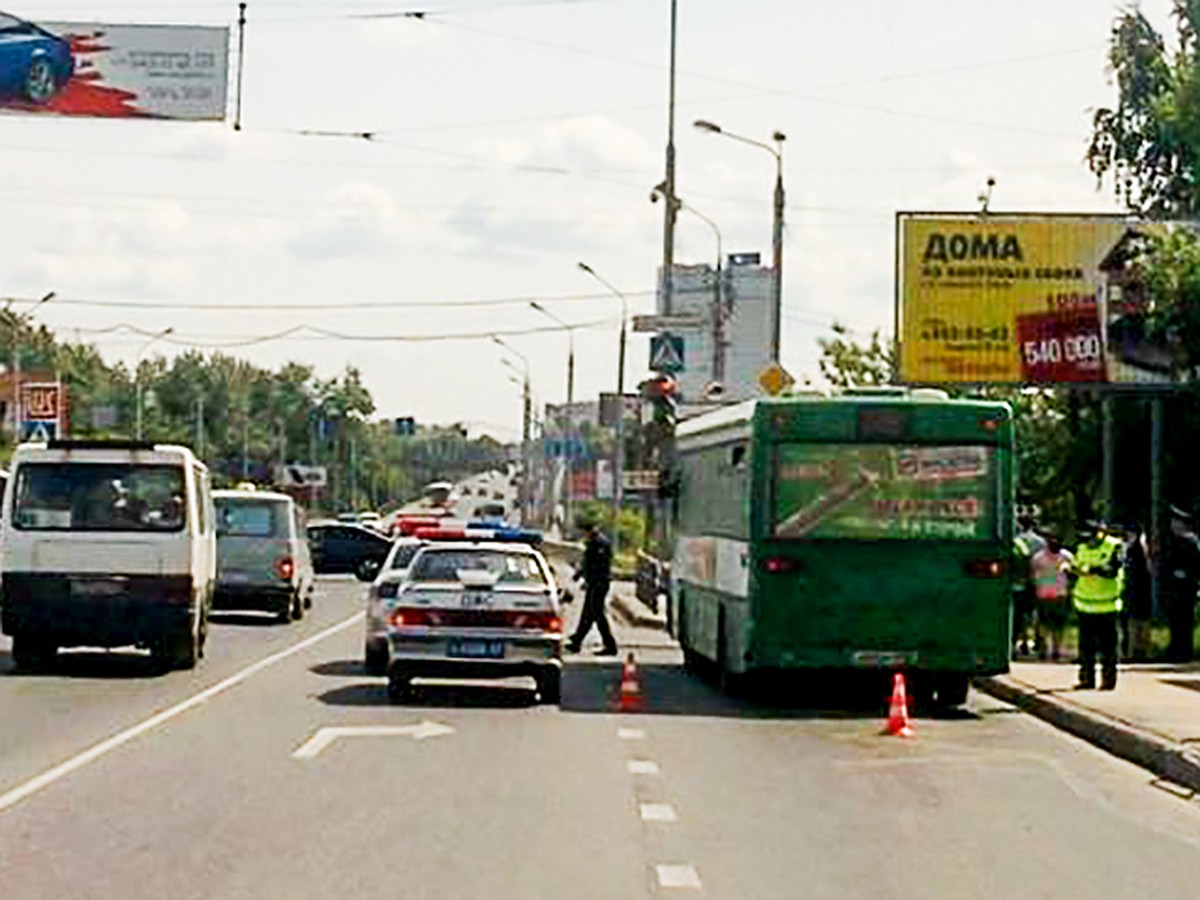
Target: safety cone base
630	697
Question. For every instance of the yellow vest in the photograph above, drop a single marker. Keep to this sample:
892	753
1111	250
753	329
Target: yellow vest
1098	593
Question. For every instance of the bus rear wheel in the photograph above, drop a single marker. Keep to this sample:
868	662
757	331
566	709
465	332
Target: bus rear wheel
951	689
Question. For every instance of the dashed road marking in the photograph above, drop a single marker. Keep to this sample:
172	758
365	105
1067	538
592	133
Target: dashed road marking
658	812
642	767
93	753
678	876
631	734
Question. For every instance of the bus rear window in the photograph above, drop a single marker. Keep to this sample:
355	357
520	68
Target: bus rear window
99	497
881	491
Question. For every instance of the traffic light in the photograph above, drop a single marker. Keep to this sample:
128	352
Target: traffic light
662	393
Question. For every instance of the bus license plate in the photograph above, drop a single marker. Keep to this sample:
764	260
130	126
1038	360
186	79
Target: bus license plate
883	659
467	649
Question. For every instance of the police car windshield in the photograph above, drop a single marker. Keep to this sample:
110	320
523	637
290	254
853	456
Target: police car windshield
402	556
518	569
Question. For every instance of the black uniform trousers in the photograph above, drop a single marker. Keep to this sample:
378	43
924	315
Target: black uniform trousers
594	595
1097	633
1181	617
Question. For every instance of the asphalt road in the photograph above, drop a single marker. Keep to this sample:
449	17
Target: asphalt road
495	796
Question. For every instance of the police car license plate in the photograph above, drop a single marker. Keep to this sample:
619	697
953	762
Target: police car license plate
468	649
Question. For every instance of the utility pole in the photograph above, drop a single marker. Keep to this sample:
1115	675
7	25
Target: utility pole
200	427
670	209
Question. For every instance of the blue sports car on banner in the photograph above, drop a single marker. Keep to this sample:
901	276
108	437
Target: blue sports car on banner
34	64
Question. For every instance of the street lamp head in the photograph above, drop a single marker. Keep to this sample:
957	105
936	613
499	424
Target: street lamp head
538	306
705	125
779	136
50	295
585	267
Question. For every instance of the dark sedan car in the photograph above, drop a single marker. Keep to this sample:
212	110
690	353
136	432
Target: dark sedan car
34	64
341	547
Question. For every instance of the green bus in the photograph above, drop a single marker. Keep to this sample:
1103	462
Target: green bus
869	530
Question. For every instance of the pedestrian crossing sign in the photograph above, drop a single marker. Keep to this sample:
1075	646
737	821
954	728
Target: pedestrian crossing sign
666	352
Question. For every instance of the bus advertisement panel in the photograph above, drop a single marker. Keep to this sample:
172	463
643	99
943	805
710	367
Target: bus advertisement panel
875	491
1030	299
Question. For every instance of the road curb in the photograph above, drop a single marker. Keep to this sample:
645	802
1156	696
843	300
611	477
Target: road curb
632	612
1164	757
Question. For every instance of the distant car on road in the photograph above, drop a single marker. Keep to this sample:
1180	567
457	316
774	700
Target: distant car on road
476	610
34	64
380	594
344	547
263	560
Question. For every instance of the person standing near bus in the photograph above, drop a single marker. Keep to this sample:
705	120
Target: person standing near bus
1097	601
1051	572
1136	606
596	572
1179	569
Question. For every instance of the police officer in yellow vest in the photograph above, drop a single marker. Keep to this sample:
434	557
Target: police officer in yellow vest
1097	601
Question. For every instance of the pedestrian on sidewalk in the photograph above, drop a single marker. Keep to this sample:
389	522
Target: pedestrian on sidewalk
1097	601
1051	570
1136	606
1025	544
596	572
1179	572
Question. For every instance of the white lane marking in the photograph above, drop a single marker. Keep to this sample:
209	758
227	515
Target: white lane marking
642	767
324	737
678	876
631	734
93	753
658	812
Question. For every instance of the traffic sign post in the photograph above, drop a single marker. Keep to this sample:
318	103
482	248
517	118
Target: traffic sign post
667	323
41	412
775	379
666	353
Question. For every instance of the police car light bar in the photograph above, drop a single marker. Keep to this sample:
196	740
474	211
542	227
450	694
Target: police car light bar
469	533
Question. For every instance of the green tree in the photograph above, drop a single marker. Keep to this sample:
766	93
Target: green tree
846	363
1149	142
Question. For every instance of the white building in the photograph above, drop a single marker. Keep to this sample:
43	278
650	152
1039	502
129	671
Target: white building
742	331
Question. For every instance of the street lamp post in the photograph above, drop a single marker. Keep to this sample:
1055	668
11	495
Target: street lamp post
16	365
526	506
777	219
138	375
619	452
568	423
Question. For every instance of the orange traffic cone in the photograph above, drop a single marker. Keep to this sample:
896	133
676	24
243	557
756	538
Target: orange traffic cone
631	688
898	723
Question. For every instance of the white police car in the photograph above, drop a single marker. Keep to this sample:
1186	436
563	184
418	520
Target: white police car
380	594
476	609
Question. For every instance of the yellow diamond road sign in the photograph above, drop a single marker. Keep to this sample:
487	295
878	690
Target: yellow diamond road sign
775	379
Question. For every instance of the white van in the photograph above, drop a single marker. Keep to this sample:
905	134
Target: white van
106	544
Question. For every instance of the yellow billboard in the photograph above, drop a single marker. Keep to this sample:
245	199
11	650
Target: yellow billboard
1025	299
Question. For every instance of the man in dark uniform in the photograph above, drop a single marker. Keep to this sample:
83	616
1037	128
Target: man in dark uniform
1179	571
596	572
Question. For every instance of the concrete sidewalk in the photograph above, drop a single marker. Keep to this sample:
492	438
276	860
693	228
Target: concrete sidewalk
1151	719
624	602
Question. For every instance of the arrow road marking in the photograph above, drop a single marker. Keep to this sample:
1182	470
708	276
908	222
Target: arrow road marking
324	737
93	753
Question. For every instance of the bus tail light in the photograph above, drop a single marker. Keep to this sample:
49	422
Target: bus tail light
986	568
778	565
285	568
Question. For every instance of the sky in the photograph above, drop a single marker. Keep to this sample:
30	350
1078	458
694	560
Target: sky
513	139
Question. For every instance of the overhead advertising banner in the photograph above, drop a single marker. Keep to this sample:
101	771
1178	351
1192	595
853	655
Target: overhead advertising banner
113	71
874	491
1028	299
